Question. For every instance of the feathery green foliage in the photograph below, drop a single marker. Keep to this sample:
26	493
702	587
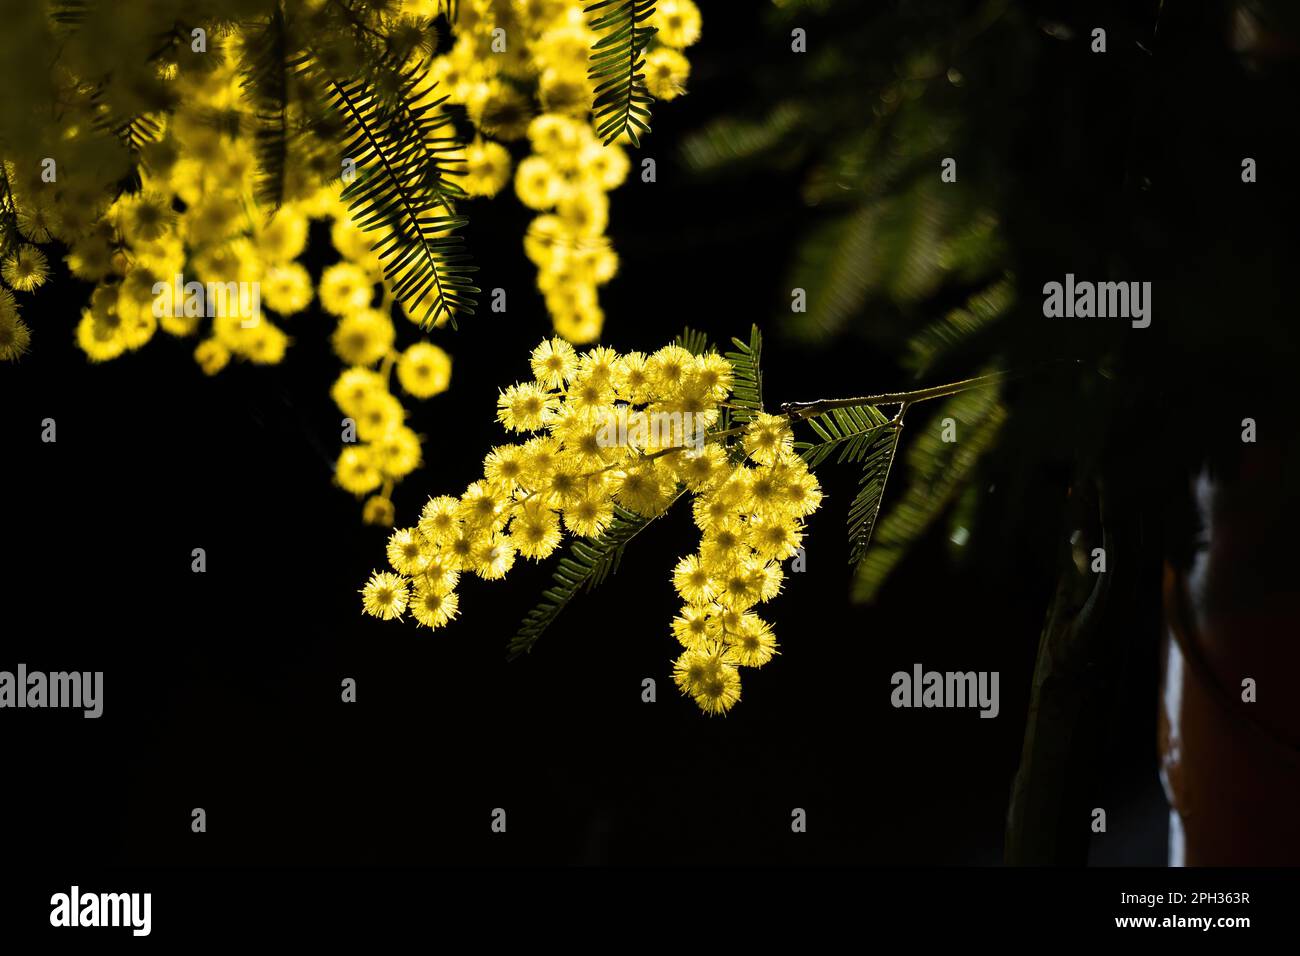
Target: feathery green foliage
586	566
747	384
693	340
938	471
877	462
267	80
622	104
936	340
402	187
849	431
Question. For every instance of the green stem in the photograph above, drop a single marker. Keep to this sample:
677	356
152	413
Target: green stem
799	411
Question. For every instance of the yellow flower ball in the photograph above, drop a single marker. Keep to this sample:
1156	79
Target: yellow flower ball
344	288
356	471
678	22
212	356
424	370
487	168
666	72
364	337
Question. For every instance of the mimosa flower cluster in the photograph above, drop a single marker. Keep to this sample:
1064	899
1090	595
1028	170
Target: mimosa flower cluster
569	172
599	430
173	200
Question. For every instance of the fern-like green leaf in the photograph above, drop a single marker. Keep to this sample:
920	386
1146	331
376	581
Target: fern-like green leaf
587	565
266	79
747	377
402	143
622	104
938	470
693	340
877	461
849	431
939	338
726	143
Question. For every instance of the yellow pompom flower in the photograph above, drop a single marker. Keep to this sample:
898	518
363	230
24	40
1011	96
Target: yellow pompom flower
804	493
364	337
713	376
536	183
438	519
91	258
487	168
631	383
770	579
345	288
753	643
439	570
700	470
99	340
721	542
378	414
406	552
554	363
378	510
397	453
14	334
768	437
739	586
354	386
39	221
482	506
25	269
146	216
776	538
424	370
693	581
385	595
607	166
551	133
353	243
287	288
493	557
504	467
589	514
690	627
284	237
356	471
434	607
590	394
265	344
643	488
678	23
525	407
535	530
667	368
708	675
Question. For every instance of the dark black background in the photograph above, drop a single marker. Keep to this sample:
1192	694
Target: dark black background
223	688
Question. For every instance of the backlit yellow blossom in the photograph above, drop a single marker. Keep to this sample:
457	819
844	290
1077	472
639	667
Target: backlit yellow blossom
598	459
385	595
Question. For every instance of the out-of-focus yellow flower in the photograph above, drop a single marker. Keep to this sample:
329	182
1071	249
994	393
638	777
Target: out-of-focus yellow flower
666	73
424	370
678	22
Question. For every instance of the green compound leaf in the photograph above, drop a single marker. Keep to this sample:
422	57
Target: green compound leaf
403	188
938	471
622	104
747	381
586	566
